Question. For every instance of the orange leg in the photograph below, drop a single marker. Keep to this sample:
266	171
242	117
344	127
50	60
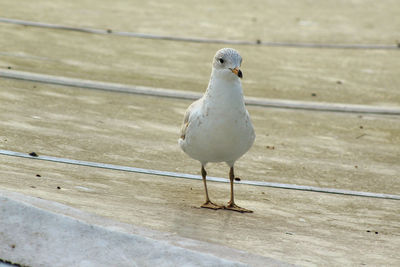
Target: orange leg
208	204
231	204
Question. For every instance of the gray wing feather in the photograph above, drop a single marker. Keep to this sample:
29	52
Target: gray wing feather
186	118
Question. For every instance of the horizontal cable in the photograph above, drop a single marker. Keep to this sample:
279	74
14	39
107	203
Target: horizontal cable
197	40
197	177
161	92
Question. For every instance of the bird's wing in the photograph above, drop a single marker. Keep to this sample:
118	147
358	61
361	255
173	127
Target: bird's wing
187	117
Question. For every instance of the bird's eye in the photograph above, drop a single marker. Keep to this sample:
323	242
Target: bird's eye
221	61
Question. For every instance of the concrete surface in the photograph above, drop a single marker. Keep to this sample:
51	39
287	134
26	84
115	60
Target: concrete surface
348	151
287	225
311	148
333	75
36	232
358	21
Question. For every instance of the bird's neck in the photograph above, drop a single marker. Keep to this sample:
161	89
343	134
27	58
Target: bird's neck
224	90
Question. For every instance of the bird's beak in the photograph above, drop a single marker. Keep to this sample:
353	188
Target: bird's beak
237	72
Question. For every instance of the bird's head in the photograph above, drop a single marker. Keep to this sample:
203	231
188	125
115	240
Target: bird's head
227	62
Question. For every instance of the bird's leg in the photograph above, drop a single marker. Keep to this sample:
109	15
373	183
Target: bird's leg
208	204
231	204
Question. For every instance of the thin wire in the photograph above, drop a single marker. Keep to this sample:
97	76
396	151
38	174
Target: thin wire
198	177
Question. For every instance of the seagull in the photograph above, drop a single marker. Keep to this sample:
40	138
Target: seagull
217	127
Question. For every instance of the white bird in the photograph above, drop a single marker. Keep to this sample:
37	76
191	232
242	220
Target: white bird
217	127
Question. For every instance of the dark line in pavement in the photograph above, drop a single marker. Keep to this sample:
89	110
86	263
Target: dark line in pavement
196	39
177	94
33	155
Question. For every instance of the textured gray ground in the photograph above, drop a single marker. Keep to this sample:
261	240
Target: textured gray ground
337	150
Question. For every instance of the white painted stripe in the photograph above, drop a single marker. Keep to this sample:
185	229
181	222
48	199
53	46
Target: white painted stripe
198	177
162	92
197	40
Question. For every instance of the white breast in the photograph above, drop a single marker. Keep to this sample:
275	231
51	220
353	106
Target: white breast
219	129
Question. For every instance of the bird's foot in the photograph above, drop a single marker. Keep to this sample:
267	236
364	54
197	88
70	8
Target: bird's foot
210	205
234	207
